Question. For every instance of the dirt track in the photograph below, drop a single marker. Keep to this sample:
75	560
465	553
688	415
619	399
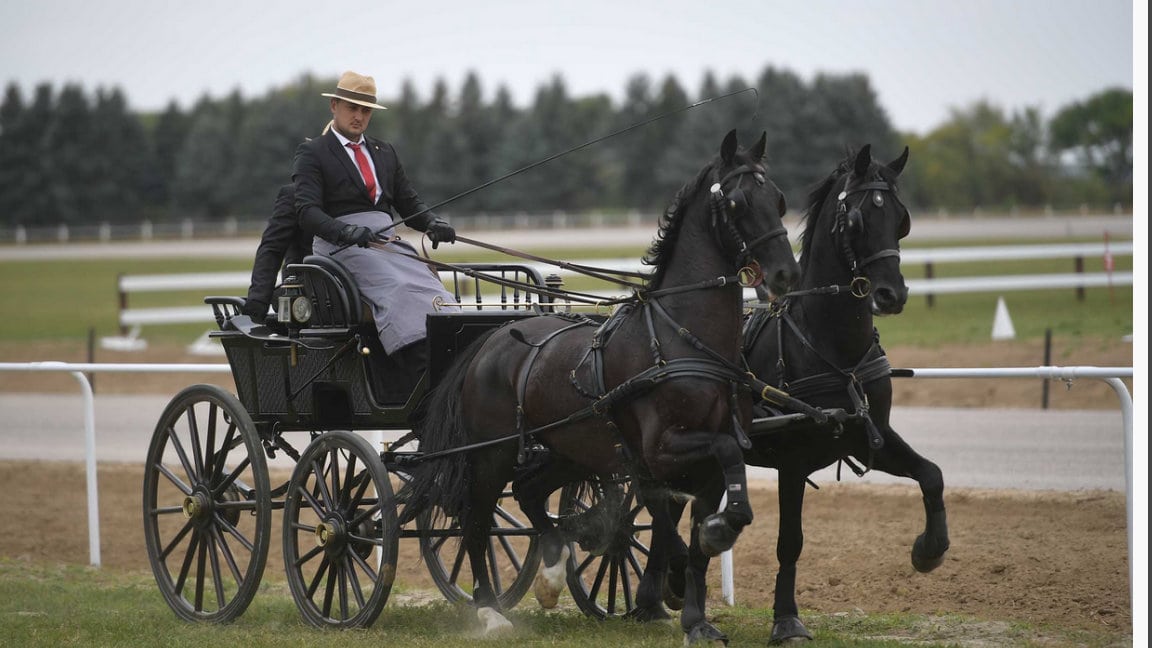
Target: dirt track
1056	560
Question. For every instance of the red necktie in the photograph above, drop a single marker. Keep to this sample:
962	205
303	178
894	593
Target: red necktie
365	170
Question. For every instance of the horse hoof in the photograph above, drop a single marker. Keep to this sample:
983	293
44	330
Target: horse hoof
705	632
493	621
922	560
716	536
548	599
788	629
551	580
648	614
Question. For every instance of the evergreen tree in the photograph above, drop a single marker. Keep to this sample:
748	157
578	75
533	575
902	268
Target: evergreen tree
17	156
477	135
168	137
205	165
121	148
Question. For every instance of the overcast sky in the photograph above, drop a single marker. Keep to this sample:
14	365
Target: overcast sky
924	57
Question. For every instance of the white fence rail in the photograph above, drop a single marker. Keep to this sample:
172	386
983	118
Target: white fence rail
131	320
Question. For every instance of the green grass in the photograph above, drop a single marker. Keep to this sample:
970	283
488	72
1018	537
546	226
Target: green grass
49	300
56	606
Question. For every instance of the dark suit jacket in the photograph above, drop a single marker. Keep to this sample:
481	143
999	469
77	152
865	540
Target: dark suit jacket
282	243
329	185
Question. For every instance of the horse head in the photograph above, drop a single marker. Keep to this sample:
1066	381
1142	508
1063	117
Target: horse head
867	224
747	212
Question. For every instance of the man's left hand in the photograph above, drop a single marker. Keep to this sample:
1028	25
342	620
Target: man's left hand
439	231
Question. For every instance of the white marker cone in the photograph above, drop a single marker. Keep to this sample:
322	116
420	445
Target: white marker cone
1002	328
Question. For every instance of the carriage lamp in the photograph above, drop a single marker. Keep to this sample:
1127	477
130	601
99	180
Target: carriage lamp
285	304
302	309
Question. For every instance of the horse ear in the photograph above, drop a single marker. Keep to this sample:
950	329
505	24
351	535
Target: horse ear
758	148
863	161
897	165
728	148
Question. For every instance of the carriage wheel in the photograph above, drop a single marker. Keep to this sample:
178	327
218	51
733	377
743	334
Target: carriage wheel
340	532
513	553
207	506
608	559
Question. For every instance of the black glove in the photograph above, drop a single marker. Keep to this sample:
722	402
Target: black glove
257	310
439	231
356	235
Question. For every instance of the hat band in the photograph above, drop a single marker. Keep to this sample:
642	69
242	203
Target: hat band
352	94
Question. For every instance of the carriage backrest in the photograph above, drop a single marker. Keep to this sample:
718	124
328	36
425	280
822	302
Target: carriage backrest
333	292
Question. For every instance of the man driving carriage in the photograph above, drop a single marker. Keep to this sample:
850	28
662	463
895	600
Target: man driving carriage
350	188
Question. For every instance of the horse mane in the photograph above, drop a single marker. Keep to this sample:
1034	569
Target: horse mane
670	225
818	195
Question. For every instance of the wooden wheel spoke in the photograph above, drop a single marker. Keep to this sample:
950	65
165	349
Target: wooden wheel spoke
226	550
175	480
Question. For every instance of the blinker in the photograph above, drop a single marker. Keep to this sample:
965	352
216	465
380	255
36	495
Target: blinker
855	220
737	199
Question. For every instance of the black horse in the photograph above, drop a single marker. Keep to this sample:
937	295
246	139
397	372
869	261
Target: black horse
656	391
819	344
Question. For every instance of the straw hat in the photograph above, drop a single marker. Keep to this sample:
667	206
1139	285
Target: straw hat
356	88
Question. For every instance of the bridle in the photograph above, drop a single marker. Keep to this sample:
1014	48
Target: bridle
728	207
849	224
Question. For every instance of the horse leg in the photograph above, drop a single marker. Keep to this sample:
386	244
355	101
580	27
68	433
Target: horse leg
719	532
532	488
666	543
693	621
674	585
476	531
898	458
786	624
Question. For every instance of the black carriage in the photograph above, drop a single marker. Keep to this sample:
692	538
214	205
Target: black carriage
308	381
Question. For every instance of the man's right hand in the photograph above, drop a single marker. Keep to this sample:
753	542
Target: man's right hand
356	235
257	310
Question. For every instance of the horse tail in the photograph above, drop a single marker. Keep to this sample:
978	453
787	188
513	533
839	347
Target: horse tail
442	481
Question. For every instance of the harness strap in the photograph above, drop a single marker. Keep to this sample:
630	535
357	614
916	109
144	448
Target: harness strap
522	383
879	255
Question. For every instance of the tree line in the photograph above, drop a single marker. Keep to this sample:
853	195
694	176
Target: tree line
73	157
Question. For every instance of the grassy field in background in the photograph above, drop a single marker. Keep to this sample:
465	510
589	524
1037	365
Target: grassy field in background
50	300
57	606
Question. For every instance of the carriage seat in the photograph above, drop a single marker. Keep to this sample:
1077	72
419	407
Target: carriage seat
335	297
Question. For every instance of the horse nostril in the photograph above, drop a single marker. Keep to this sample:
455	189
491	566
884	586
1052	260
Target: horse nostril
887	300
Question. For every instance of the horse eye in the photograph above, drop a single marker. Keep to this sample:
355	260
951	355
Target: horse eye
877	199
